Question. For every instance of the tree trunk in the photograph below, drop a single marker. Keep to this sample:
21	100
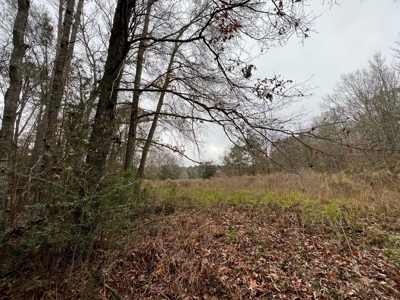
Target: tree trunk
11	102
65	47
153	127
43	117
130	145
104	122
72	40
58	84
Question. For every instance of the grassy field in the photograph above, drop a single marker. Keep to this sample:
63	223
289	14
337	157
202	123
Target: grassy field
279	236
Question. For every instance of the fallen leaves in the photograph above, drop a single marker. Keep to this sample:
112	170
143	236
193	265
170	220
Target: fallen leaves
231	252
239	254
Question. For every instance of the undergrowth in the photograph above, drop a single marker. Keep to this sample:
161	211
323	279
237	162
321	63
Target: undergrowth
68	230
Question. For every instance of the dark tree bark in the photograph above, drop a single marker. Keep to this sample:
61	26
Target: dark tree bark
11	102
104	122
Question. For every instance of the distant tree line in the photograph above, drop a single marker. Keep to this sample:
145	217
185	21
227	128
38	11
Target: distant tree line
357	131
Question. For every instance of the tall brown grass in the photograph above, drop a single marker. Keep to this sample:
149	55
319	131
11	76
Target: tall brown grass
364	193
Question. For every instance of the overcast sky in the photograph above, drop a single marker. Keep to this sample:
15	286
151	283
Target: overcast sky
346	37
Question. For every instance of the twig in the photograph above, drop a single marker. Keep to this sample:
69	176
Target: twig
113	292
99	278
72	264
347	240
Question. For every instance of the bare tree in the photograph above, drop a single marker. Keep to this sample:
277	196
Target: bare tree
368	101
212	81
130	148
157	113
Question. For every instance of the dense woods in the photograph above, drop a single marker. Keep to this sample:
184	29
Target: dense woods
98	96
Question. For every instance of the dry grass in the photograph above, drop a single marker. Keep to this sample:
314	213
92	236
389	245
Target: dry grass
367	193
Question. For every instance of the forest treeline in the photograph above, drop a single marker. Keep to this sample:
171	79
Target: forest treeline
356	132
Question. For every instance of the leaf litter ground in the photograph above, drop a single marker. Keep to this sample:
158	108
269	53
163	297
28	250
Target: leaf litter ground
249	253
